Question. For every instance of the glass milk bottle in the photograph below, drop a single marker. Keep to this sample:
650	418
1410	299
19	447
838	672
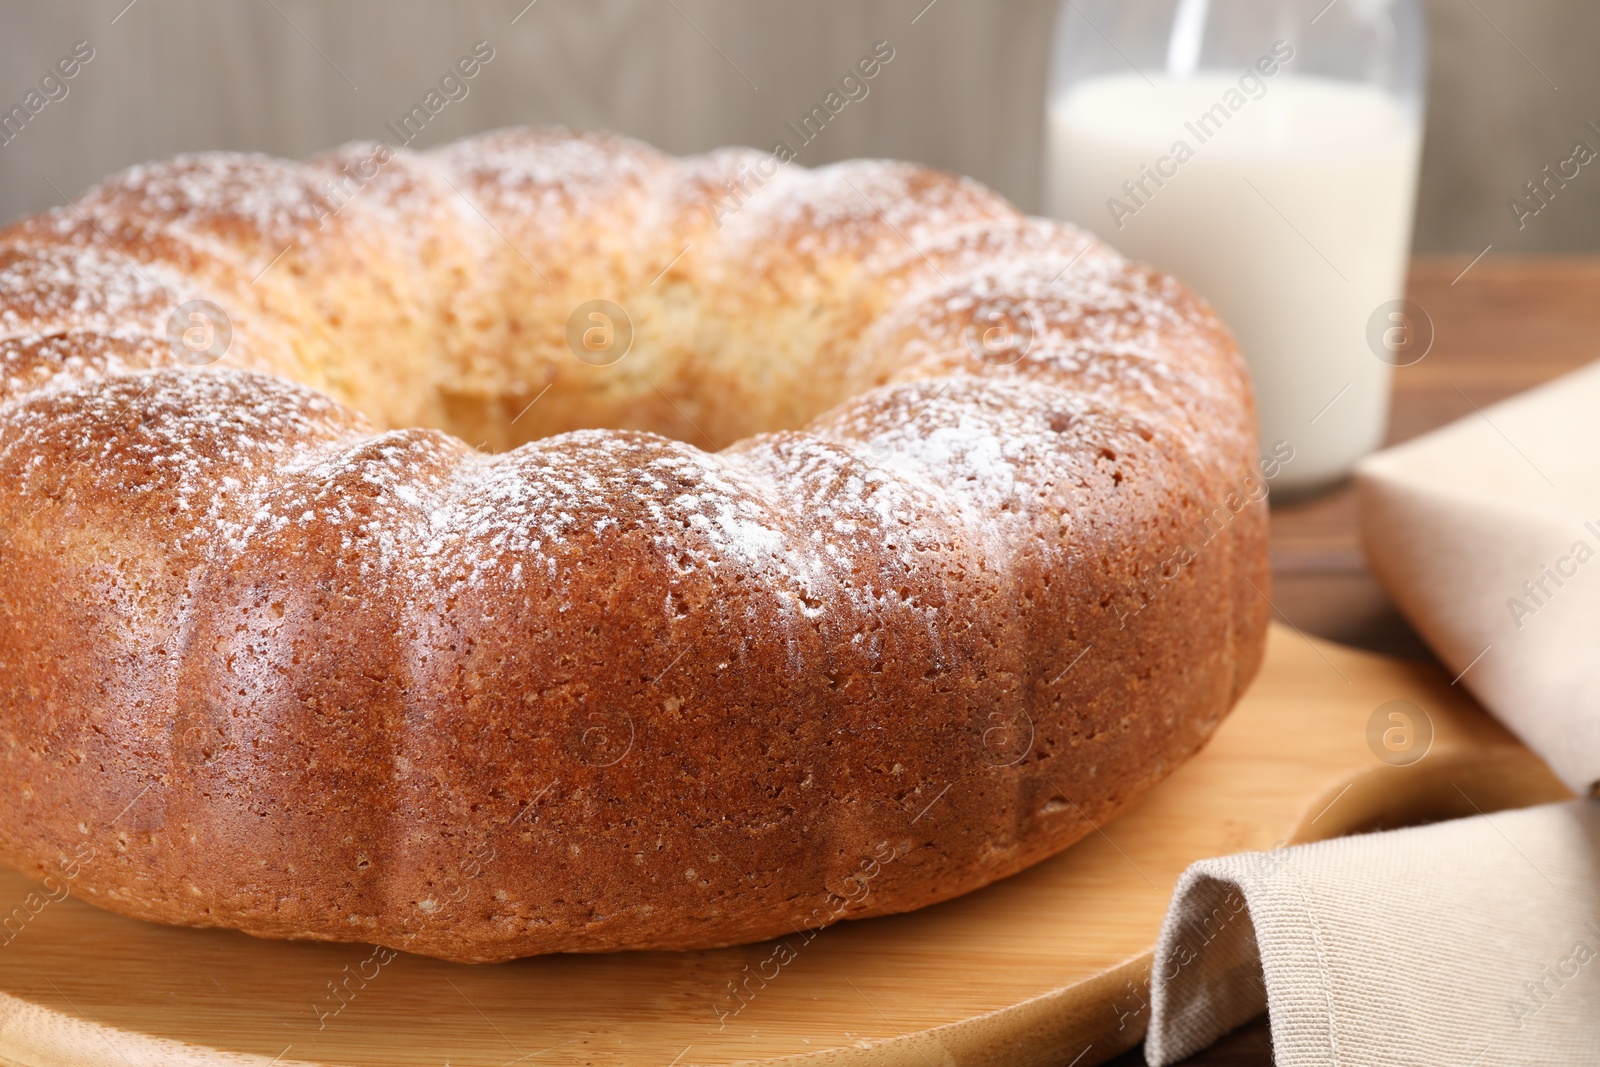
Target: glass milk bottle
1264	151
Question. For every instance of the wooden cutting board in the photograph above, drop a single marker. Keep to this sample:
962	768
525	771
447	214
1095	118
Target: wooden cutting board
1047	968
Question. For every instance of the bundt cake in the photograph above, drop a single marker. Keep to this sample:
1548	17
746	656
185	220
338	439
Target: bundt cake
542	544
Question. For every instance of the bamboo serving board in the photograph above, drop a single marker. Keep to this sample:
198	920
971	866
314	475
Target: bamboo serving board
1046	968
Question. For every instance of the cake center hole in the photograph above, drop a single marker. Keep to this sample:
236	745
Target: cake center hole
653	361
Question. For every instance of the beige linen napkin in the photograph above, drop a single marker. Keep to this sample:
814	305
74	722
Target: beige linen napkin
1467	943
1487	535
1473	943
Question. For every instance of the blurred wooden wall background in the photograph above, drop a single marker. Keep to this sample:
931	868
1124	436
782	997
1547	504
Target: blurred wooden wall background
1513	83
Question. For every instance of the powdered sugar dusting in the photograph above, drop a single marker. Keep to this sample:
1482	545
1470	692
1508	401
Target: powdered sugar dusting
239	196
53	290
546	177
191	446
867	210
951	460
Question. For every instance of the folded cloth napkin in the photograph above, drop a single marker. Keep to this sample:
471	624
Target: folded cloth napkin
1467	943
1472	943
1487	535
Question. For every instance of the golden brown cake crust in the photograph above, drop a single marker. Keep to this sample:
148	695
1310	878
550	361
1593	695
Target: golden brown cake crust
365	632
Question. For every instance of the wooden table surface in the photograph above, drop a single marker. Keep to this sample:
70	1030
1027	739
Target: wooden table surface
1505	326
